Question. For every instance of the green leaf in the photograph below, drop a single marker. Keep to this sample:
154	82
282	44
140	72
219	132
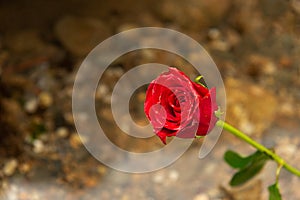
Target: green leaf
274	192
237	161
253	167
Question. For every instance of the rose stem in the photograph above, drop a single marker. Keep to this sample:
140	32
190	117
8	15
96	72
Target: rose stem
258	146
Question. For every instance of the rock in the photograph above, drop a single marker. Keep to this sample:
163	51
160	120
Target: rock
296	5
251	111
10	167
246	18
285	61
158	178
249	191
214	34
75	141
101	169
38	146
126	27
29	43
25	168
102	91
173	175
260	65
25	41
80	35
45	99
195	14
220	45
31	105
233	37
68	116
62	132
201	197
287	109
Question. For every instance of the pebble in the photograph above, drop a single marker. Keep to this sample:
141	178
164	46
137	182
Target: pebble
115	72
24	168
24	41
158	178
38	146
254	110
75	141
220	45
126	27
102	91
79	34
250	190
296	5
101	169
45	99
214	34
141	96
10	167
62	132
173	175
261	65
201	197
68	116
148	55
204	13
31	105
287	109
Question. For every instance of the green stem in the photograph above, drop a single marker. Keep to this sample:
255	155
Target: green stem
258	146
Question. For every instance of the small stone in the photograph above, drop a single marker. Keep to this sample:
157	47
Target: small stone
158	178
252	111
206	13
62	132
141	96
250	190
80	35
102	91
148	55
10	167
246	126
220	45
214	34
260	65
45	99
101	169
75	141
201	197
31	105
285	61
232	37
296	5
24	41
125	197
173	175
44	137
287	109
107	114
126	27
68	116
115	72
24	168
38	146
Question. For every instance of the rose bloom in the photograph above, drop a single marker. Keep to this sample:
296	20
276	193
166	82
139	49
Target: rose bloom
176	106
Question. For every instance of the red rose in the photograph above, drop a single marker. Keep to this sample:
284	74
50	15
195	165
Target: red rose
176	106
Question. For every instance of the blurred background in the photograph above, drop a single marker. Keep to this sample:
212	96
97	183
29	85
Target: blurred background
255	44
